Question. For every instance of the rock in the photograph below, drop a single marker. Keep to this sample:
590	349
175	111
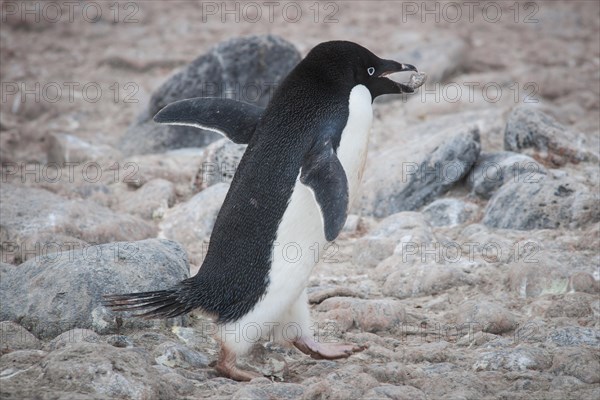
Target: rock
92	371
416	170
318	390
349	382
520	358
573	305
492	170
119	341
73	336
584	282
39	245
177	166
96	180
19	360
574	336
15	337
200	336
403	392
366	315
181	385
434	352
538	275
245	69
420	280
573	385
485	316
191	222
173	355
531	131
449	212
451	382
150	201
5	268
579	362
148	137
69	221
55	294
393	372
281	391
317	296
219	164
544	202
266	362
64	148
533	252
397	230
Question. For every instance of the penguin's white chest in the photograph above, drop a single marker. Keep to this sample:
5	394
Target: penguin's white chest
352	151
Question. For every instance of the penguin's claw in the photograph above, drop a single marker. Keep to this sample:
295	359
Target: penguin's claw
226	367
321	351
235	373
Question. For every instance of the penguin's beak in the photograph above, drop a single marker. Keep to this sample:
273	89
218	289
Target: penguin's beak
391	67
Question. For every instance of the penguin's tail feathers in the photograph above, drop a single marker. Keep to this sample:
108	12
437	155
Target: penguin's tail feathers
160	304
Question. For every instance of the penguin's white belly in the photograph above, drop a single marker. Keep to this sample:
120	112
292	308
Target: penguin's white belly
301	236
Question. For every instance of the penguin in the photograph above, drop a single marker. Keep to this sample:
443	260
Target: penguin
292	190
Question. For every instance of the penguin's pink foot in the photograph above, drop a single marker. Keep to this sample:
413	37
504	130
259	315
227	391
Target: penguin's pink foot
226	367
326	351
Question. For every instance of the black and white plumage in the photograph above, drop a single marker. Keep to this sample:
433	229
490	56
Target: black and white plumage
302	168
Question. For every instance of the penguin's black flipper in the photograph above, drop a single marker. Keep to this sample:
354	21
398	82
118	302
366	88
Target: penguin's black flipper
233	119
324	174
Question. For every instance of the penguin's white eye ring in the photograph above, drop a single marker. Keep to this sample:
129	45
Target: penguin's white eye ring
371	71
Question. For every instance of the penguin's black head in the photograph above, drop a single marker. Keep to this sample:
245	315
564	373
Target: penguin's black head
355	65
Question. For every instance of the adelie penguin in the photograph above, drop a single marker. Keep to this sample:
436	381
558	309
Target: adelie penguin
300	172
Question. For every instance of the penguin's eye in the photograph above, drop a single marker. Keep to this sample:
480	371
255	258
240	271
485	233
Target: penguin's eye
371	71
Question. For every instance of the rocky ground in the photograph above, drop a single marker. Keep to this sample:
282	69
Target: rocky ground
469	266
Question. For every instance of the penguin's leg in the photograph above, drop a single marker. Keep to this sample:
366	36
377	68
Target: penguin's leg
303	338
227	367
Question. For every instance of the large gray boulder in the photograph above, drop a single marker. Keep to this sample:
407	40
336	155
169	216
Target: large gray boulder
449	212
432	158
54	294
492	170
533	132
35	222
191	222
543	202
91	371
245	69
219	163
